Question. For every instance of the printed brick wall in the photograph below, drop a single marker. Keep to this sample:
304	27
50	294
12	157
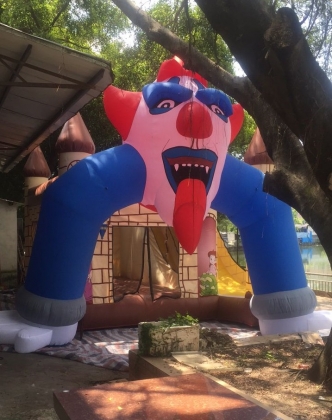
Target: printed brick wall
102	270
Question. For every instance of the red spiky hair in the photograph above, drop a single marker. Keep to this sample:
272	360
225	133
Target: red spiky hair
174	67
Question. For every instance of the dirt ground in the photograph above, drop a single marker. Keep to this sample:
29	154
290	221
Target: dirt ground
27	382
274	374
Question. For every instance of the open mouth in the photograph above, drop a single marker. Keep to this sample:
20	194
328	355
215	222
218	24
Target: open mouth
182	163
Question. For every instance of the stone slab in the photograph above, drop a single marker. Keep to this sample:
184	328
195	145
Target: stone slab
312	338
201	362
309	337
194	397
148	367
265	339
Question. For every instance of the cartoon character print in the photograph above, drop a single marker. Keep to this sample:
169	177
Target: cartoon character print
208	281
212	262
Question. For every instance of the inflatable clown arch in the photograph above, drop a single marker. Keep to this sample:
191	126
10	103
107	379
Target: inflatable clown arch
173	159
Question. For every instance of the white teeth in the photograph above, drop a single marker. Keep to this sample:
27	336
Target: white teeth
189	165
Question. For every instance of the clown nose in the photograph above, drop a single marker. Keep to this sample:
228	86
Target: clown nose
189	211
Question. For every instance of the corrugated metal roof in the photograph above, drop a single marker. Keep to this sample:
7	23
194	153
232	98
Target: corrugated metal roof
42	85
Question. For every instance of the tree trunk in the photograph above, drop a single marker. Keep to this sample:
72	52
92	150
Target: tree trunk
271	48
321	370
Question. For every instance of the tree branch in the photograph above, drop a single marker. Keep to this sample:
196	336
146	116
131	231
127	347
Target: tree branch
34	16
62	9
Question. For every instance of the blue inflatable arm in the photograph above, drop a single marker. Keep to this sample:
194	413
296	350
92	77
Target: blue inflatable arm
266	227
72	212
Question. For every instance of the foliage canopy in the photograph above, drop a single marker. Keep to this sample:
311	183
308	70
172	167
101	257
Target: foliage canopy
98	27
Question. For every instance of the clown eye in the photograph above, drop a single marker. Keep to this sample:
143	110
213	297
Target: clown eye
164	97
166	104
162	106
217	110
217	101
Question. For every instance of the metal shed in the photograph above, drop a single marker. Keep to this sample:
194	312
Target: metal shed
42	85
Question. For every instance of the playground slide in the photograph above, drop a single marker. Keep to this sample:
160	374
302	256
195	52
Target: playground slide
232	279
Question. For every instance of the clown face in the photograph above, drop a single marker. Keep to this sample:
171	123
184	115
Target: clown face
182	131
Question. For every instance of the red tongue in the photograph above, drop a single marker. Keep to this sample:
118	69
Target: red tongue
189	211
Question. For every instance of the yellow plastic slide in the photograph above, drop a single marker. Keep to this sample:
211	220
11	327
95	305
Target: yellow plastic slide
232	279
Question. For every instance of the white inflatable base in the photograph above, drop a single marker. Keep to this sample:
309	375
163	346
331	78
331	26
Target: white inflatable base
318	320
28	337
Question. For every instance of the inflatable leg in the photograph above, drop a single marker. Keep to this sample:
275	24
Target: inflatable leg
72	211
27	338
282	300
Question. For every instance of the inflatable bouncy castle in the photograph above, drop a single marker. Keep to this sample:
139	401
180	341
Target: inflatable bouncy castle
173	160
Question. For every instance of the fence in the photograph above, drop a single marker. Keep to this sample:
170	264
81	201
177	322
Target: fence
321	282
